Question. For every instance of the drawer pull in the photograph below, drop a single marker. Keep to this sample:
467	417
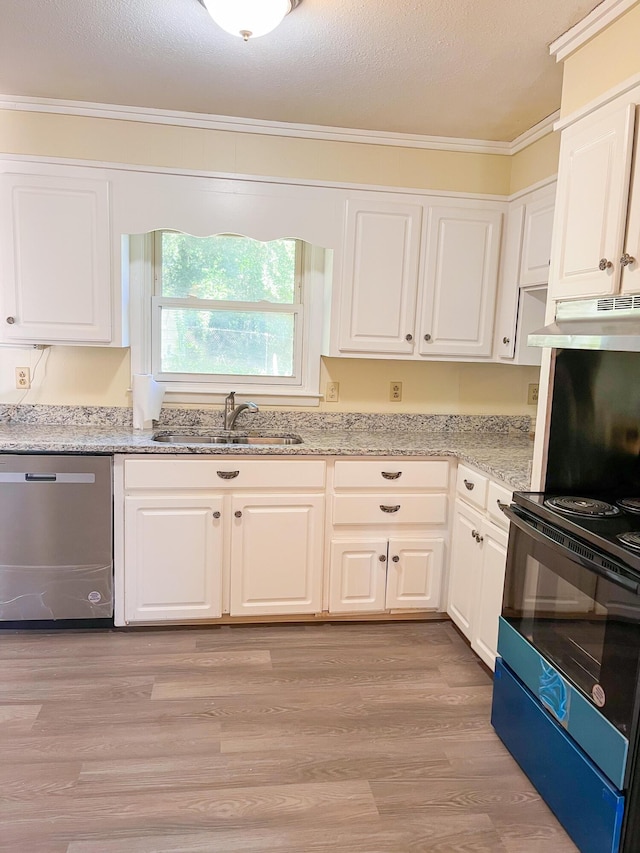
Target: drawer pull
469	485
395	558
238	513
500	504
474	534
216	514
227	475
389	508
382	558
391	475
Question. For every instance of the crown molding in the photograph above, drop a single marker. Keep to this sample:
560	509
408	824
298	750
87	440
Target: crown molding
631	85
538	131
273	128
604	14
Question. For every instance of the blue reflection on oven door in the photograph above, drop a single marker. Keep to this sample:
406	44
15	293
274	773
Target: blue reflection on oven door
553	692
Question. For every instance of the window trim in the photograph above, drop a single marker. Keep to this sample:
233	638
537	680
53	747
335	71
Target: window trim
138	254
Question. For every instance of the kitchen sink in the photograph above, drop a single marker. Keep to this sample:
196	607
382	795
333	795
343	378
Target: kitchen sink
225	438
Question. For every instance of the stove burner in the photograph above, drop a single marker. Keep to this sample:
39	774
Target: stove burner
630	504
631	540
582	506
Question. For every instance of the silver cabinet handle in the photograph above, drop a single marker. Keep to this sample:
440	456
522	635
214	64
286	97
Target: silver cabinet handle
11	320
395	558
389	508
216	514
238	513
469	485
391	475
506	340
382	558
408	337
427	338
626	259
604	264
227	475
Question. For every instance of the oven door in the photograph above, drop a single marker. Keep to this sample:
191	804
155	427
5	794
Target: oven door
579	610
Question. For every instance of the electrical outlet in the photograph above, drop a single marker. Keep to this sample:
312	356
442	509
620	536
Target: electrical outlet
395	392
532	395
23	378
332	394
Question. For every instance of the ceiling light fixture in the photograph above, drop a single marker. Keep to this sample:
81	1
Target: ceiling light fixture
249	18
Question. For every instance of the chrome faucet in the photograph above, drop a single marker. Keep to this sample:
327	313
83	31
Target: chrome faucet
231	411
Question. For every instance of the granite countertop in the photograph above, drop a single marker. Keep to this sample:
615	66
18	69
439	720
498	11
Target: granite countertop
504	455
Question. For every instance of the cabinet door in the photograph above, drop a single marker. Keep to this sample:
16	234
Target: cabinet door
378	303
484	637
536	240
460	283
357	576
173	558
631	270
55	243
510	263
276	554
593	183
414	574
466	561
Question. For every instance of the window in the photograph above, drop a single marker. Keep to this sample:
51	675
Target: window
228	312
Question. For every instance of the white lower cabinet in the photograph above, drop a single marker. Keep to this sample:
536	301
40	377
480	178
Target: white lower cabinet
464	567
206	537
373	575
276	554
387	533
477	567
173	554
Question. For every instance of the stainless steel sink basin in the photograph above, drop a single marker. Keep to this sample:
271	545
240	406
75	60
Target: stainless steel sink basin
225	438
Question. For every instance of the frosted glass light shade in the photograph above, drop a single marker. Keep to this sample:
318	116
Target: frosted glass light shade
248	18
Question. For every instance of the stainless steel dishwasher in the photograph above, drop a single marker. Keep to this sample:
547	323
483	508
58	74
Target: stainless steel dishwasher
56	540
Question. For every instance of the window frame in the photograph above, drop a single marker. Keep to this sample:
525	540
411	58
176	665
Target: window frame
146	305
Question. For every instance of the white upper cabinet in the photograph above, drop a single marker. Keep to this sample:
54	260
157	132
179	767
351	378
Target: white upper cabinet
380	277
462	254
630	258
593	189
55	256
536	239
433	284
524	273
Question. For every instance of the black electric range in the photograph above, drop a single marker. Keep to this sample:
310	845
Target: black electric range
610	525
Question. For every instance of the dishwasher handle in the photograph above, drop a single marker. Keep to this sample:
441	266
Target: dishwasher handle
46	477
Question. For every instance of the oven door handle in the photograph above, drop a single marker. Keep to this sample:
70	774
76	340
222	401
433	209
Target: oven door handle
520	521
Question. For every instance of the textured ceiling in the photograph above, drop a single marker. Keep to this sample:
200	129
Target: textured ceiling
458	68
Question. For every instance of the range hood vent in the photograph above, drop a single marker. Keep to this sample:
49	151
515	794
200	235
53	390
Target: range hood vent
608	323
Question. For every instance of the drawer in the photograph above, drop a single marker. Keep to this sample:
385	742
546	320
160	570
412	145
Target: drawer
223	473
497	495
472	487
392	474
390	509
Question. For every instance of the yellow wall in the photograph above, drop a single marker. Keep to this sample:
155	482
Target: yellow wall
535	162
434	387
603	62
101	376
167	146
94	376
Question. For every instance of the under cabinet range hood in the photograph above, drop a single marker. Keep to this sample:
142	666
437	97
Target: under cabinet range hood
606	323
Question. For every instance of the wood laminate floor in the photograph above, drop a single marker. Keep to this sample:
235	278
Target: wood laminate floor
354	738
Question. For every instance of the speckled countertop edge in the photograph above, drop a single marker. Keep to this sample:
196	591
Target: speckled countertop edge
504	456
